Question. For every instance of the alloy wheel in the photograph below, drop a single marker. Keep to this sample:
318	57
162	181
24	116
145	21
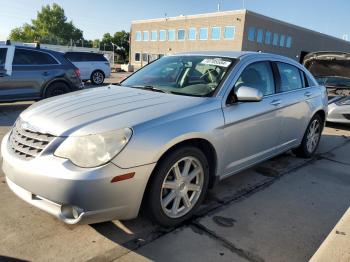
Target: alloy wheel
182	187
97	77
313	135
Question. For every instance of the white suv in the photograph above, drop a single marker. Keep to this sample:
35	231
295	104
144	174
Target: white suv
93	66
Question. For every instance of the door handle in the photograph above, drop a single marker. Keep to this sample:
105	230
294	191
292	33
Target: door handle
45	73
276	102
308	94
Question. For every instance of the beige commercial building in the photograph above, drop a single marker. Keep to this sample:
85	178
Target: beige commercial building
239	30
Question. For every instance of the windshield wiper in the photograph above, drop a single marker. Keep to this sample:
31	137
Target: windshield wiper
151	88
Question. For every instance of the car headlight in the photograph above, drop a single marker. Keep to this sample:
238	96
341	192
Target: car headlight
94	150
343	102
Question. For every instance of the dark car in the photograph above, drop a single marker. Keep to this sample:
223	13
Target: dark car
32	73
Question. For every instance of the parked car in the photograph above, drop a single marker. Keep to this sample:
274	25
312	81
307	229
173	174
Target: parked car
28	73
332	69
171	130
93	66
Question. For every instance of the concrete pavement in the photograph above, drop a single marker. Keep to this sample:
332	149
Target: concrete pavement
281	210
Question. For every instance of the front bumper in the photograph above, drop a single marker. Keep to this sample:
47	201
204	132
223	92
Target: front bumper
338	114
74	194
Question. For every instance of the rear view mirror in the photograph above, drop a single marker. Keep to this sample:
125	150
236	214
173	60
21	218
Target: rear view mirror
249	94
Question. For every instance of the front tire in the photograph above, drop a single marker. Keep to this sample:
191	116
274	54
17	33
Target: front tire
311	138
97	77
178	186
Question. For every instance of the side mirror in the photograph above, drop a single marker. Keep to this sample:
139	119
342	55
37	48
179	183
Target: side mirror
249	94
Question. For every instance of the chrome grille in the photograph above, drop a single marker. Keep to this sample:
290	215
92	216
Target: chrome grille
28	144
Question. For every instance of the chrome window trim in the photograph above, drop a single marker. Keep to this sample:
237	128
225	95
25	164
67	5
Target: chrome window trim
244	61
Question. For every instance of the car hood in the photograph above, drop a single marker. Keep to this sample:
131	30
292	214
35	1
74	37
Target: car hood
328	64
102	109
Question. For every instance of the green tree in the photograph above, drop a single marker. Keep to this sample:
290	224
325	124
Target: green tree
106	42
96	43
50	27
121	39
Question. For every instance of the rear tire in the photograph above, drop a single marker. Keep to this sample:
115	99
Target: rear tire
97	77
56	88
311	138
177	187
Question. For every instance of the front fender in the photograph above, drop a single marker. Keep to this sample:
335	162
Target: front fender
149	143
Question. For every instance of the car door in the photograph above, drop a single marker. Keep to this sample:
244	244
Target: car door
294	108
252	129
6	73
3	72
30	70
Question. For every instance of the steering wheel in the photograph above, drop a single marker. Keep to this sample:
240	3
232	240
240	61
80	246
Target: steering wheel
209	75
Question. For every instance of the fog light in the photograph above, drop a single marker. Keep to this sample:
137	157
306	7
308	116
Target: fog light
70	212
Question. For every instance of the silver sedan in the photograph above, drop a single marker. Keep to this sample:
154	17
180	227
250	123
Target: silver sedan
163	137
339	110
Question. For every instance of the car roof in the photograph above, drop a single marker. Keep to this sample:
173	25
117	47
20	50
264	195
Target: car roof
83	52
37	49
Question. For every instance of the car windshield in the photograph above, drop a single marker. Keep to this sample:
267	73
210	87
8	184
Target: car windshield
182	75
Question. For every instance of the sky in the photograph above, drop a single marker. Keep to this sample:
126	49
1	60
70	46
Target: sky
98	17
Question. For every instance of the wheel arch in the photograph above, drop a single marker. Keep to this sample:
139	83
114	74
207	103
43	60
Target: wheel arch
204	145
53	81
98	70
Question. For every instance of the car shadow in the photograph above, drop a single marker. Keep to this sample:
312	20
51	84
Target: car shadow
339	126
140	231
9	112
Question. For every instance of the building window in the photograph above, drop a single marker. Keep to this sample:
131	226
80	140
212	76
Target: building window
260	36
154	36
229	32
181	34
275	39
137	57
145	57
251	34
138	36
282	40
145	35
268	38
203	33
192	34
171	35
289	42
215	33
162	35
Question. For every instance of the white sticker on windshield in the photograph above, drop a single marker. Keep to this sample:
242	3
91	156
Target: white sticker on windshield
216	62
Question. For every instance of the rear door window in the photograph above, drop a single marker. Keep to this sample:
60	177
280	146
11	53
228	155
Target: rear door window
3	52
31	57
85	57
290	78
74	57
